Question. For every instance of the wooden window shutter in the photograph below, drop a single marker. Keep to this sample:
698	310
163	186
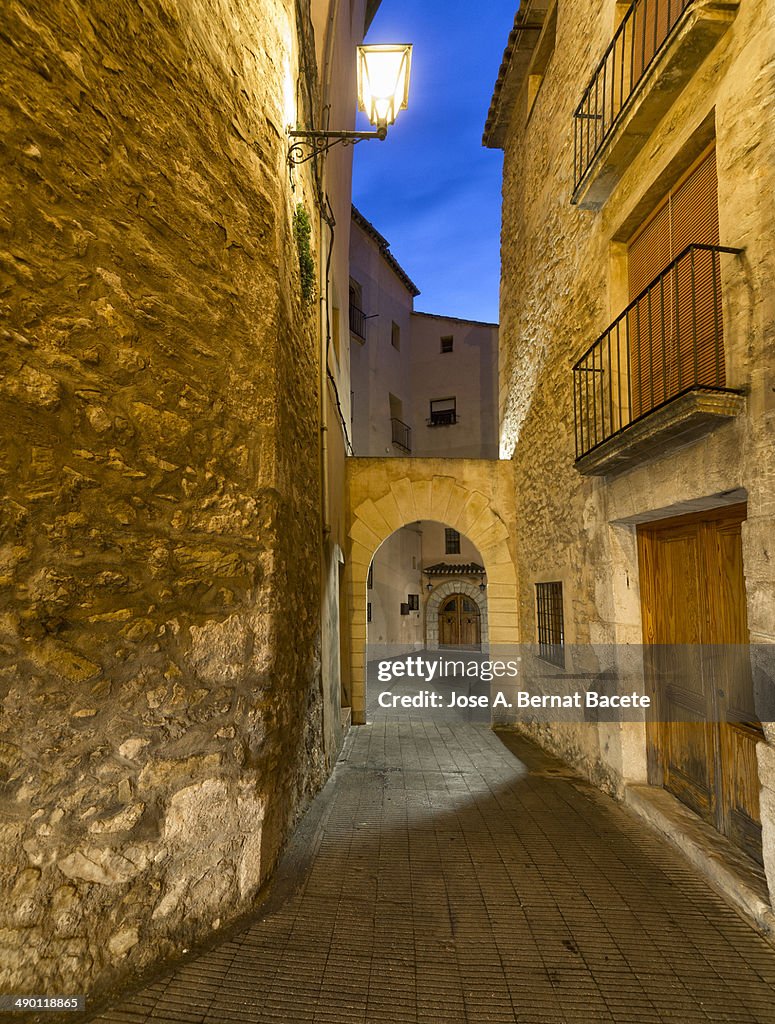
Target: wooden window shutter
694	218
651	24
649	254
675	331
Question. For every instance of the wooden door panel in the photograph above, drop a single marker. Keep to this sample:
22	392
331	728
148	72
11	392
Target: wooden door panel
459	622
702	741
689	752
741	787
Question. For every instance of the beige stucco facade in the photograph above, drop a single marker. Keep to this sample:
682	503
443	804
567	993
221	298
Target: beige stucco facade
564	280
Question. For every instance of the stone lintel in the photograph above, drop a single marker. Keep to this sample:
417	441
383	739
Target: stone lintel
685	418
702	26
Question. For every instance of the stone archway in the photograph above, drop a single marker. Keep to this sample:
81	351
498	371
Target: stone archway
439	595
474	496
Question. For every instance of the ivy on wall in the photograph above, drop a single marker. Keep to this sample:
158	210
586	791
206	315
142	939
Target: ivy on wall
302	232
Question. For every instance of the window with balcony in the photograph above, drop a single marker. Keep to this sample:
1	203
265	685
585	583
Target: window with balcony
669	341
400	432
443	412
656	48
357	316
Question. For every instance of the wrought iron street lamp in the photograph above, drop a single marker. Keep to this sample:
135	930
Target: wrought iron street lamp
383	89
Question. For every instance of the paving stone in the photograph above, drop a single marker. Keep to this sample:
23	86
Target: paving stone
450	880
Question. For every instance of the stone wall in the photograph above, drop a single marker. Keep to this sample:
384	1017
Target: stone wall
564	282
159	664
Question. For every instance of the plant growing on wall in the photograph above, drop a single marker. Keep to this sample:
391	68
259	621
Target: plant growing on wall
302	232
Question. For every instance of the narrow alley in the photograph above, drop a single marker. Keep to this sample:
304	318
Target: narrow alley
450	874
492	391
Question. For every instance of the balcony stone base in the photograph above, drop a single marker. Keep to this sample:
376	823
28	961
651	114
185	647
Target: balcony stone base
685	418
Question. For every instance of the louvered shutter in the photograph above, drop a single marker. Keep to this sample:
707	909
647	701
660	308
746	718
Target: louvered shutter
648	322
675	331
651	23
699	336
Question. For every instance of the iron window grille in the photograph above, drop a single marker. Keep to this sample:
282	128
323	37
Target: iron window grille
413	600
551	625
358	322
642	34
451	542
667	342
401	434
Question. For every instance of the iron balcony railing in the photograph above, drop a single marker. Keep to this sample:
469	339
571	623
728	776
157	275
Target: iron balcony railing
401	434
442	418
668	341
358	322
639	39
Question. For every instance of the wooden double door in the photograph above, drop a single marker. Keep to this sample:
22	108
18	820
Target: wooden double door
702	740
460	623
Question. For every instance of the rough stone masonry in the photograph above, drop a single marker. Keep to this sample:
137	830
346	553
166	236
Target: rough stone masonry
159	669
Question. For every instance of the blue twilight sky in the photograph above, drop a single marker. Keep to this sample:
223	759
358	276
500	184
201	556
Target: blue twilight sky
431	188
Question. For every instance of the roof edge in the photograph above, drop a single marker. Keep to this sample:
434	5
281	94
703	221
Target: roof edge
384	247
527	27
456	319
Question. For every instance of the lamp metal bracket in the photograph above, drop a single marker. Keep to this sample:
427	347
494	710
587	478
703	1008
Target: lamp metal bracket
313	143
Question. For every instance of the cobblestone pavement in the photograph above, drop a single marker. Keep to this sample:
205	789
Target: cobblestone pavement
448	880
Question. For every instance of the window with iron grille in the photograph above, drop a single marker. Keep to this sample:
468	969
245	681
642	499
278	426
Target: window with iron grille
451	542
447	342
443	412
413	600
551	627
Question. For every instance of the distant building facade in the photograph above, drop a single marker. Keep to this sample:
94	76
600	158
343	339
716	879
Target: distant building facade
422	385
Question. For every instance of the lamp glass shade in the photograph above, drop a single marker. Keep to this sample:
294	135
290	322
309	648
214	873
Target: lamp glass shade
383	81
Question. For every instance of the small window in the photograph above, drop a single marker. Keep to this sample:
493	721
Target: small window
443	412
451	542
413	600
404	608
447	343
370	578
395	336
368	612
551	627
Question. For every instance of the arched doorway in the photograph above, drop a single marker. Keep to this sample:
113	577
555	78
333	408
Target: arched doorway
474	496
460	623
436	601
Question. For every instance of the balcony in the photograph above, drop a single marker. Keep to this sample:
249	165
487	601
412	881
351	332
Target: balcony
358	322
401	435
656	378
657	47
